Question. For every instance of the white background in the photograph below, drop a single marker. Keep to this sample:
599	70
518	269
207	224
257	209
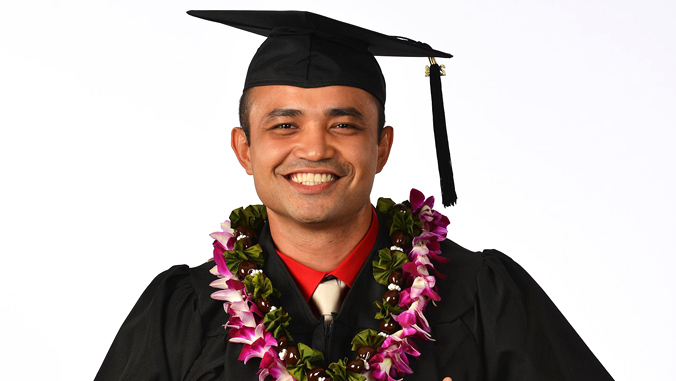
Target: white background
115	161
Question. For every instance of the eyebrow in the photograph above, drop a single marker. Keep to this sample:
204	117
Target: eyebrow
332	112
345	111
282	112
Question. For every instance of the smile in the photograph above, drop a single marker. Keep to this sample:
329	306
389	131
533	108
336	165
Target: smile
312	178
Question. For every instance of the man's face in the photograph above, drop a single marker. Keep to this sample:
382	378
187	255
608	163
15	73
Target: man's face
314	152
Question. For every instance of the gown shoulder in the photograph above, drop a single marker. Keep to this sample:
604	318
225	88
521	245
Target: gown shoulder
169	330
523	334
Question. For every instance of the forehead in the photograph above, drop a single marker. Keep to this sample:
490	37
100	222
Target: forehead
263	99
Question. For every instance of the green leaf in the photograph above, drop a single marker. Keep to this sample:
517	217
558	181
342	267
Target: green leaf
307	357
385	310
369	338
254	254
387	262
399	216
384	205
405	222
379	314
338	371
277	322
237	218
253	216
298	372
256	215
234	257
258	286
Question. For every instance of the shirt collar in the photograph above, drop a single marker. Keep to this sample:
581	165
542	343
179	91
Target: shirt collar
308	279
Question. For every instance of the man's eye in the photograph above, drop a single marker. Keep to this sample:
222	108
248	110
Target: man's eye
344	125
284	126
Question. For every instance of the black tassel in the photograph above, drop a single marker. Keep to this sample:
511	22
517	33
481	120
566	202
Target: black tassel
448	195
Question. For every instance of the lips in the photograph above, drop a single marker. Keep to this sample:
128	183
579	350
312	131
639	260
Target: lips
312	178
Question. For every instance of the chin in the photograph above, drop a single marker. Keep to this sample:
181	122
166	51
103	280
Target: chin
312	214
317	209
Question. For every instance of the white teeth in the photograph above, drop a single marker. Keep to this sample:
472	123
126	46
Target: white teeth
312	178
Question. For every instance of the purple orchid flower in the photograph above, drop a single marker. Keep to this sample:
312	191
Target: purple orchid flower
271	365
233	291
415	270
423	285
420	254
223	270
384	370
223	241
228	284
392	361
438	225
433	221
413	332
414	316
417	199
419	257
229	295
405	299
428	240
256	341
401	341
220	283
240	316
227	237
380	370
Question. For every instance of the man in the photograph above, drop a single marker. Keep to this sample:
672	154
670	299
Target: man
313	138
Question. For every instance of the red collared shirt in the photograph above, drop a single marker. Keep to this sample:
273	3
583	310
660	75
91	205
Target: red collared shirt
308	279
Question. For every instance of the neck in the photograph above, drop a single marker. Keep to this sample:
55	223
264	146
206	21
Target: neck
321	247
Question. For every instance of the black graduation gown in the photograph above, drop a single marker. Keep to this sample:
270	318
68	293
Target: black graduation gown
493	323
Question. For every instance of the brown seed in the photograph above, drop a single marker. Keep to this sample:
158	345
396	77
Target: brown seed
391	297
356	366
292	356
263	304
400	239
399	208
397	278
389	327
245	231
317	374
366	352
282	343
244	268
246	242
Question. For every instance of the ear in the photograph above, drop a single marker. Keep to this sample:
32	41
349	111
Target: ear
240	146
384	147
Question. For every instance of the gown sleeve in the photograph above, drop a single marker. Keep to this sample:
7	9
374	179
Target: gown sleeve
161	337
524	336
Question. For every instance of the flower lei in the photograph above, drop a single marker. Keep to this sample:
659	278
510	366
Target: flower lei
415	230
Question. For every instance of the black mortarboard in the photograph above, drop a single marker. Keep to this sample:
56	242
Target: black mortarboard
305	49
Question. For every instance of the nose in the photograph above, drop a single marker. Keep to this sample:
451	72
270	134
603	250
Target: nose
315	144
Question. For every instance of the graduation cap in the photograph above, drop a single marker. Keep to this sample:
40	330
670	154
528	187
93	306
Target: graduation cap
308	50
